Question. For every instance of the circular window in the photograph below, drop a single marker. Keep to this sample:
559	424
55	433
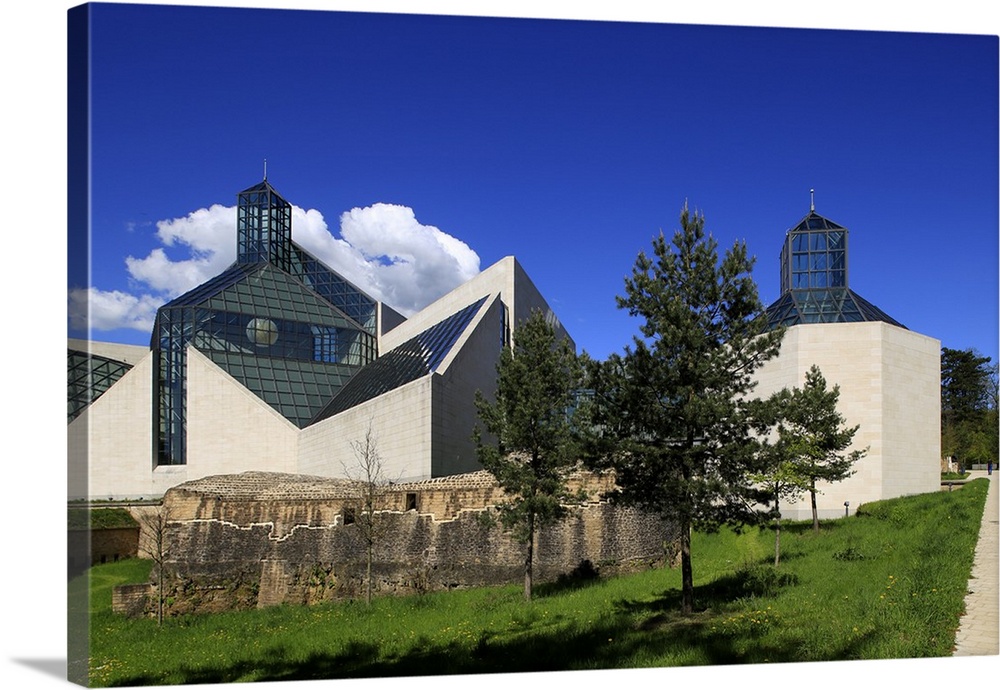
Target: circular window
262	332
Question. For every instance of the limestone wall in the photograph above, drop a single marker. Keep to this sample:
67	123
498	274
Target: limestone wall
109	443
229	429
889	380
400	421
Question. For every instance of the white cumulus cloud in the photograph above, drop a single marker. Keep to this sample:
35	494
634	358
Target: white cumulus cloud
383	249
406	264
111	309
207	236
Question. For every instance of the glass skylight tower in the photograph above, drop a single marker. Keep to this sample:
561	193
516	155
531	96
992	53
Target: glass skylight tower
814	278
263	227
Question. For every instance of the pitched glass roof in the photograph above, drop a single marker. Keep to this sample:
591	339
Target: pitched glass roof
270	292
814	221
838	305
88	376
417	357
297	389
334	289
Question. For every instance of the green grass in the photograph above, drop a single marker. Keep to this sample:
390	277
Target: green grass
888	583
100	518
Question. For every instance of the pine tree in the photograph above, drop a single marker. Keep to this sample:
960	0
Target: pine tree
815	435
532	444
807	446
674	410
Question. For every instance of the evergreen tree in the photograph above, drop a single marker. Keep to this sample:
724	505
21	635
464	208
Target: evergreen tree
674	412
533	444
968	406
809	446
780	476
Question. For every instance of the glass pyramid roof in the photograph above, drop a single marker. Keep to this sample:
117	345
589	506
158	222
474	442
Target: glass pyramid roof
814	221
837	305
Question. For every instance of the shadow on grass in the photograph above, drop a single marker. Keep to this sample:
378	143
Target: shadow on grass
581	576
649	632
690	640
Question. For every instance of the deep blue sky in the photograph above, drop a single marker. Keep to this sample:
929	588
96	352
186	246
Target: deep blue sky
566	143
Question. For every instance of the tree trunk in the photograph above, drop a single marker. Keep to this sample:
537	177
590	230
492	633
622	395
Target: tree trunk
687	576
368	576
159	595
529	557
777	532
812	496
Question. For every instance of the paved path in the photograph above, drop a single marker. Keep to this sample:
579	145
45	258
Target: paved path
978	629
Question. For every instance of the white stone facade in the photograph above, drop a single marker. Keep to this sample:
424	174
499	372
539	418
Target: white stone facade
890	385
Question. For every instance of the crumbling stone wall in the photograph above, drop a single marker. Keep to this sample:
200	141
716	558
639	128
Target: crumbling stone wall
132	600
260	539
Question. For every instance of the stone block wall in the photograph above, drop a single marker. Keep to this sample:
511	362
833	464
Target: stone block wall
92	547
260	539
132	600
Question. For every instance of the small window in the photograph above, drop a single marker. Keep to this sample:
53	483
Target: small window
348	516
411	501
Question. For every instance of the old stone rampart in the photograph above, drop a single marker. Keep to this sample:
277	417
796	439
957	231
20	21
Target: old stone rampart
259	539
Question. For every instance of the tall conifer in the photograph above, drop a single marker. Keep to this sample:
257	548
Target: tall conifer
531	444
673	410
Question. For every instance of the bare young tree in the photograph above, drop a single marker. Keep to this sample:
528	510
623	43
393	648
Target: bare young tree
369	498
153	544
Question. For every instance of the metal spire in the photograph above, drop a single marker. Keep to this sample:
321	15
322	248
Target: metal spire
812	199
265	170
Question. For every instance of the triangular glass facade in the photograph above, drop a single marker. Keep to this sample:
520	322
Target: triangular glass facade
280	322
87	377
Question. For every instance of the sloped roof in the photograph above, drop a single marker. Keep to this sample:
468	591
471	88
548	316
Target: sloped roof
88	376
814	221
831	305
414	358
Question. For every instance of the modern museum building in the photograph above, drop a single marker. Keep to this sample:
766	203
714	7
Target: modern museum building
279	364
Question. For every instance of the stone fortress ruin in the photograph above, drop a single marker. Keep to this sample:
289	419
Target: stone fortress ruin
258	539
